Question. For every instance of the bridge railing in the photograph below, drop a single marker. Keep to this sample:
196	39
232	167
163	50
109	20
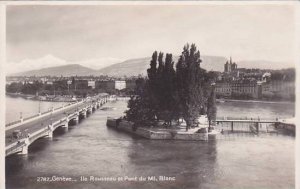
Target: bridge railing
12	123
240	127
14	147
37	133
46	112
43	113
36	115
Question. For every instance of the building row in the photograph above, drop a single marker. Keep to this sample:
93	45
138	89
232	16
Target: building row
76	84
256	90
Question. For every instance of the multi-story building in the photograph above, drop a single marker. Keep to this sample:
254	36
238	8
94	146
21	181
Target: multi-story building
257	89
244	89
91	83
119	85
239	89
223	89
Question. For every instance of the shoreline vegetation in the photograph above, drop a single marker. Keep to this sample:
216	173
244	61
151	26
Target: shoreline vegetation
218	100
255	101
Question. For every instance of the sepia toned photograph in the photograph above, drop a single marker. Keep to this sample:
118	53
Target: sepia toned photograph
150	96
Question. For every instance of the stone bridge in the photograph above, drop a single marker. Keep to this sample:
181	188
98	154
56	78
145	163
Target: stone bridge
43	125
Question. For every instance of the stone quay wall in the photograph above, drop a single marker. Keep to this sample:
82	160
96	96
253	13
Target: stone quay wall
127	126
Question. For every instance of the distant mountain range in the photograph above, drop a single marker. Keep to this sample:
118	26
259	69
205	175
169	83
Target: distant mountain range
135	67
49	61
140	66
66	70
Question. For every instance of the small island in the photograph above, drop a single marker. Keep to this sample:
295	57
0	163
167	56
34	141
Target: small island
175	101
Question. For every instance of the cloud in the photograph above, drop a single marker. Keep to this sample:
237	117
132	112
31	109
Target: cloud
77	33
34	64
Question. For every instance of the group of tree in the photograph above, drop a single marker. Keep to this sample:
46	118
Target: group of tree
25	88
284	75
173	92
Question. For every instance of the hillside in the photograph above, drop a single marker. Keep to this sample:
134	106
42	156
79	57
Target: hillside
263	64
66	70
135	67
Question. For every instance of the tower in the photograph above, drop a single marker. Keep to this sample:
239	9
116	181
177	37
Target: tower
230	66
226	66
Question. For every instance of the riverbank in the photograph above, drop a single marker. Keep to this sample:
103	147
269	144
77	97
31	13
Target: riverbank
200	133
255	101
160	133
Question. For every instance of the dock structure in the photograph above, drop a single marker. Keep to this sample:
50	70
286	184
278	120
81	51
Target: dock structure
20	134
255	124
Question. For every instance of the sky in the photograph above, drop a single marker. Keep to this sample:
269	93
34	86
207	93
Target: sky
113	33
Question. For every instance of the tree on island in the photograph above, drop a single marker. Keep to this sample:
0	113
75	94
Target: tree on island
140	110
153	82
161	86
168	94
211	107
189	80
168	90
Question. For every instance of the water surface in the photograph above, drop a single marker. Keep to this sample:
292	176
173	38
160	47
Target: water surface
92	149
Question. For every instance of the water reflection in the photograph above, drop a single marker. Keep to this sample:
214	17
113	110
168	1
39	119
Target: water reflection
191	163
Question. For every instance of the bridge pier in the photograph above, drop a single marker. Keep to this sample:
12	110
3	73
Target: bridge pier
76	120
50	131
89	110
25	147
84	112
66	125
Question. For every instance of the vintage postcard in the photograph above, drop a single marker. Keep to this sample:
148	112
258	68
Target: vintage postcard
149	94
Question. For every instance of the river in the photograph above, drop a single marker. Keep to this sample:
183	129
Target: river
15	106
92	149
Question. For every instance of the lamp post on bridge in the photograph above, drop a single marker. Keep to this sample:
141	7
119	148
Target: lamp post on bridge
51	118
39	106
21	117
